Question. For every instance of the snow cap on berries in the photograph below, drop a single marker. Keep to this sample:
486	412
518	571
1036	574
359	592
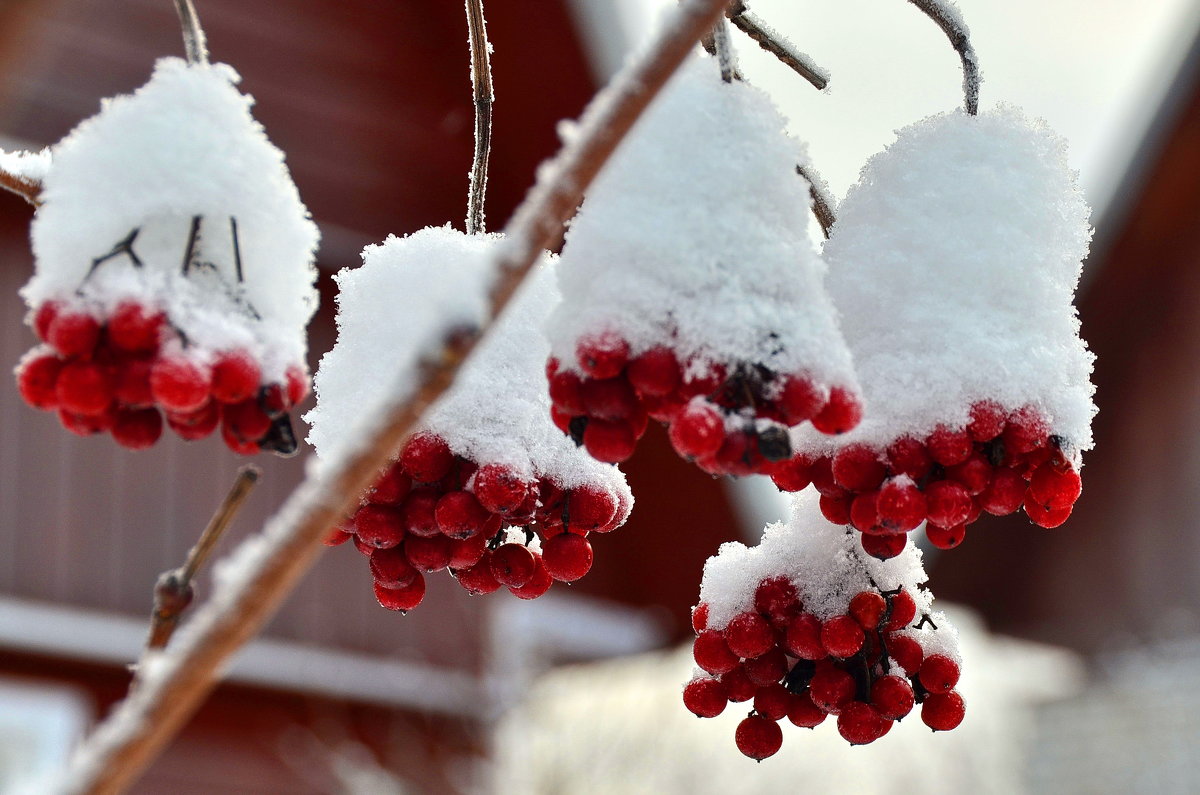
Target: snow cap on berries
694	237
181	147
954	262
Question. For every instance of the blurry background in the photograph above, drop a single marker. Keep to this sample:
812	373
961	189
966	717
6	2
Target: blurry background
1078	641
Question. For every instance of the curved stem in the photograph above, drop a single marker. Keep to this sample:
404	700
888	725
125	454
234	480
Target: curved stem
948	19
723	49
822	199
481	87
193	35
775	44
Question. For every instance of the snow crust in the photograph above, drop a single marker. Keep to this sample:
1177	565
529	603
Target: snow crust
695	236
32	166
180	147
954	262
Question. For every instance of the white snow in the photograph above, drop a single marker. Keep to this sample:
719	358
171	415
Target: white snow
954	262
182	146
694	236
31	166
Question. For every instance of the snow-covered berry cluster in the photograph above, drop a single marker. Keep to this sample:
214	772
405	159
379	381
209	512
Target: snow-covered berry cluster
185	299
802	627
488	489
699	302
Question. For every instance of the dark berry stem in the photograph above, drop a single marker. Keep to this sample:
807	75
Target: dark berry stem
960	39
481	88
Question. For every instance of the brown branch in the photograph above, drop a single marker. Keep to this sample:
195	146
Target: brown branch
193	35
822	201
960	39
775	44
28	189
173	590
722	47
268	567
481	89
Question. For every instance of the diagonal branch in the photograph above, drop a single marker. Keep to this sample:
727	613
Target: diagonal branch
946	15
775	44
822	200
194	43
481	89
26	188
267	567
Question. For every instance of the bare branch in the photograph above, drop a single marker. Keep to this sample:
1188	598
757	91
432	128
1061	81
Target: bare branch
193	35
775	44
481	88
723	49
947	18
173	591
267	567
822	199
28	189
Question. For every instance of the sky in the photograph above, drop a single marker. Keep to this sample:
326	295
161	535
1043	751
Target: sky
1095	70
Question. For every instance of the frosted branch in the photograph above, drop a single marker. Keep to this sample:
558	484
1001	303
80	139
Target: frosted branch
947	17
193	35
173	591
822	199
775	44
28	189
265	568
723	49
481	87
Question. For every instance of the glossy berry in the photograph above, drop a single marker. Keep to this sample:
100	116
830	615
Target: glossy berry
74	333
391	569
426	458
738	686
803	638
132	383
884	547
1053	489
908	456
841	636
179	384
466	552
567	556
235	377
1004	493
602	355
948	503
44	317
939	673
705	698
478	579
904	610
831	688
655	372
799	400
867	609
499	489
590	508
772	701
513	565
907	653
193	425
459	515
776	598
698	430
712	654
943	711
700	617
758	738
767	668
791	474
134	329
537	584
1044	517
419	513
901	505
137	429
608	441
893	696
858	468
949	447
804	713
36	380
83	387
379	526
404	598
860	723
946	537
748	635
429	553
842	413
391	488
987	421
835	509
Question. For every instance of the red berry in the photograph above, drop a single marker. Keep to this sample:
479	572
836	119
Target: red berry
402	599
987	421
132	383
418	513
1025	432
803	638
299	383
1046	518
948	503
608	441
712	653
235	377
391	488
1004	494
193	425
602	355
867	608
773	701
857	467
799	400
179	384
245	421
698	430
842	413
945	537
561	419
738	686
567	556
37	378
974	474
459	515
860	723
901	505
84	387
884	547
391	569
1054	489
74	333
835	509
466	552
906	651
478	579
274	400
705	698
939	673
804	713
426	457
537	585
337	537
379	526
134	330
589	508
44	317
609	399
655	372
566	392
513	565
700	617
892	696
864	512
943	711
758	737
831	688
766	668
949	447
748	635
904	610
429	553
791	474
739	455
842	637
137	429
777	599
907	456
87	424
499	489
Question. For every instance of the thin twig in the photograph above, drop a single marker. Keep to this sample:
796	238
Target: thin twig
267	567
481	88
723	49
193	35
173	591
948	19
822	199
28	189
775	44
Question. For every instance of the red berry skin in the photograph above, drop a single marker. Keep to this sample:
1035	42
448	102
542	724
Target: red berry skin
864	512
566	393
379	526
842	637
777	600
698	430
835	509
946	537
842	413
235	377
74	334
499	489
700	617
804	713
137	429
738	686
766	668
87	424
857	467
1004	494
867	609
901	505
513	565
193	425
904	610
1025	432
391	569
791	474
238	444
134	330
419	513
799	400
1046	518
426	458
773	701
609	442
589	508
466	552
537	585
908	456
943	711
860	723
609	399
337	537
299	384
907	653
459	514
131	383
179	384
712	654
948	503
758	738
602	355
831	688
391	488
567	556
883	547
987	421
478	579
655	372
37	378
748	635
401	599
892	696
949	447
83	387
1053	489
974	474
803	638
561	419
245	420
428	554
705	698
939	673
44	317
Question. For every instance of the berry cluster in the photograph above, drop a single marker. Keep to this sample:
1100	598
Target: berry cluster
998	463
124	373
862	665
730	420
487	524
